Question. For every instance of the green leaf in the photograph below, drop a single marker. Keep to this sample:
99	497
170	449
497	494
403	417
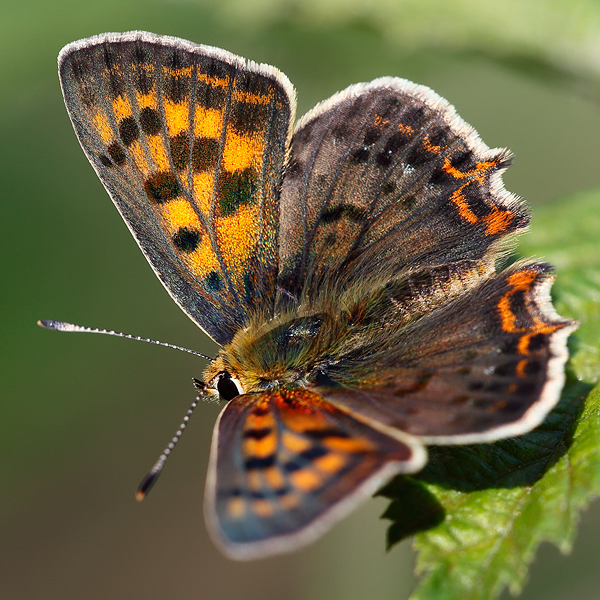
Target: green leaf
501	500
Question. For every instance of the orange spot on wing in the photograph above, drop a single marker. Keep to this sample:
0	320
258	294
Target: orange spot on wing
121	107
181	72
274	477
255	482
158	152
306	480
177	116
202	190
144	67
263	508
139	157
498	220
214	81
289	501
103	127
430	147
521	366
353	445
476	174
241	152
203	260
461	203
295	443
300	422
521	281
145	100
208	122
237	234
330	463
244	96
261	448
236	507
254	421
180	213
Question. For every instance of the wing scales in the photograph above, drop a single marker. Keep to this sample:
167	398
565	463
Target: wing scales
190	143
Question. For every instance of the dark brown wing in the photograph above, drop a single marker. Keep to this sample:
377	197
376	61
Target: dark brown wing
384	178
487	365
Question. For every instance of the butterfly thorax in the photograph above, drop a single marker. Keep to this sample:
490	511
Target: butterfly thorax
286	350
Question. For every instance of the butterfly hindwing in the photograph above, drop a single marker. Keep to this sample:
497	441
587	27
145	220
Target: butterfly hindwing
190	142
285	465
487	365
385	177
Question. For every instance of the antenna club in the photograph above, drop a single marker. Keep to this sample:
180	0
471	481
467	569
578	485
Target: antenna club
146	485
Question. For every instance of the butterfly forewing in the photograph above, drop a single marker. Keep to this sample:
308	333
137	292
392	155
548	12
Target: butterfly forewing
286	465
190	143
383	178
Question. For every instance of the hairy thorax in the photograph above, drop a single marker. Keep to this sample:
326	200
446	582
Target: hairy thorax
281	352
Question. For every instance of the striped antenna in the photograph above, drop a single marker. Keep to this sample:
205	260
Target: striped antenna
155	471
62	326
150	479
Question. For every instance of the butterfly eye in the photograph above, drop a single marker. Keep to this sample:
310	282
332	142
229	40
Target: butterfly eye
228	387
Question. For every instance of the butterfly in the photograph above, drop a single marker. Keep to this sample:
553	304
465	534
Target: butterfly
347	265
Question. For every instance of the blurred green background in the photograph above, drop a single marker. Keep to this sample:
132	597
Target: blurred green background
82	418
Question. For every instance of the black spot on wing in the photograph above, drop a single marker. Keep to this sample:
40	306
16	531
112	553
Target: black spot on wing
115	77
187	240
235	189
417	156
537	342
349	211
254	83
247	118
257	434
360	155
464	161
256	463
162	187
439	135
205	152
180	151
142	80
414	116
177	83
214	281
393	146
117	153
128	130
211	91
150	121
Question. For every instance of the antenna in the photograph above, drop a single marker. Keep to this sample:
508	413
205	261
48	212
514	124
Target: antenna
150	479
155	471
62	326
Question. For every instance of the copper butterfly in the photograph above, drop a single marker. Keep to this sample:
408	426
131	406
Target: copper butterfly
347	265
